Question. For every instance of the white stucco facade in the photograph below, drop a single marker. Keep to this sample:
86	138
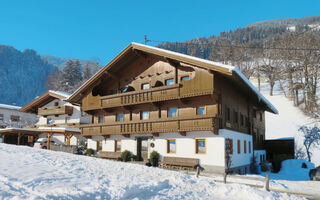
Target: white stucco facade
62	121
185	146
10	116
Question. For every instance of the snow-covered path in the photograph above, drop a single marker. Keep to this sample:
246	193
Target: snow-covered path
27	173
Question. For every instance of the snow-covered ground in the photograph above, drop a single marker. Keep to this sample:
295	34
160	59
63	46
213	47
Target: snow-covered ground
28	173
288	121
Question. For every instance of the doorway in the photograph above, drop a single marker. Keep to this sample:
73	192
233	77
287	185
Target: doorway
142	148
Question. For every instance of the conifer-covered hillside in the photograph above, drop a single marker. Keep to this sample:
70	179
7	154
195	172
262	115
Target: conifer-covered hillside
22	75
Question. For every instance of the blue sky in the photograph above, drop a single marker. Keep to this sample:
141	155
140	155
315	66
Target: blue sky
102	28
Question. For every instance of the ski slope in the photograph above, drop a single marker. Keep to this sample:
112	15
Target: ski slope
28	173
288	121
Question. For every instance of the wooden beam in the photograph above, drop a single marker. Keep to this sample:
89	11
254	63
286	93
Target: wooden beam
112	75
182	133
172	62
19	137
155	134
126	135
140	53
106	137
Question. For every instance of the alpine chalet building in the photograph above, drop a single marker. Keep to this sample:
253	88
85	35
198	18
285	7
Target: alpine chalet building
149	99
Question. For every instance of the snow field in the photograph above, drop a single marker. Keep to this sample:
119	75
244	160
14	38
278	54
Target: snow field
28	173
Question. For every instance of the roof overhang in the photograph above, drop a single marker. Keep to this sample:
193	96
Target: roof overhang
42	100
135	49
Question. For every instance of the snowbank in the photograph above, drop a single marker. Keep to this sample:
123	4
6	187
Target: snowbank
28	173
292	170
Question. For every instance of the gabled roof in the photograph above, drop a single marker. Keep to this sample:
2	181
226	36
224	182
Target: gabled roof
227	70
9	107
44	99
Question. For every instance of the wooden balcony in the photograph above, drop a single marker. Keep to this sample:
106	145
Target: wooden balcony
55	110
199	123
156	94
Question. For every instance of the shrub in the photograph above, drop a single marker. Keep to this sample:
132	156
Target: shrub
134	158
89	152
154	158
126	156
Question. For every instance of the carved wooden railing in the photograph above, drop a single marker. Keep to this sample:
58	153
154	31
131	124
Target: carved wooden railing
55	110
198	123
157	94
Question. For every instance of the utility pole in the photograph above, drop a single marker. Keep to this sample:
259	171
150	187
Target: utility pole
145	39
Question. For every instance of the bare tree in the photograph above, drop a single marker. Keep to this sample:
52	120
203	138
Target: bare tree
311	138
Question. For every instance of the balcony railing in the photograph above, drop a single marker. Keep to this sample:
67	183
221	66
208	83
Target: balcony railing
55	110
157	94
199	123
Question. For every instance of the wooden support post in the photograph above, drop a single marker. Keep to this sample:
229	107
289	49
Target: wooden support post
68	139
48	140
267	182
3	138
19	137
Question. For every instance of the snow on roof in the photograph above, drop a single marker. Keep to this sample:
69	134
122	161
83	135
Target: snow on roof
10	107
60	128
229	67
65	94
215	64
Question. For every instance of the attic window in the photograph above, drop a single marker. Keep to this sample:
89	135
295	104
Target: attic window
56	103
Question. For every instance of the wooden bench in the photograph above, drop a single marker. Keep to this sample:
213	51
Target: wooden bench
109	155
180	163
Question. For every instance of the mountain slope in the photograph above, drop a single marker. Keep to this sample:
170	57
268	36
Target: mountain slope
22	75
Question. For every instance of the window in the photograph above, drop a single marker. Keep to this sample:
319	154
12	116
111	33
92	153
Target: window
185	78
201	110
50	121
145	115
229	146
130	115
145	86
159	113
14	118
117	145
99	145
260	116
200	146
244	146
169	81
235	116
119	117
56	103
101	119
249	146
171	146
239	147
172	112
1	117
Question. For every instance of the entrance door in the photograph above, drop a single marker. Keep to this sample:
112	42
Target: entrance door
142	148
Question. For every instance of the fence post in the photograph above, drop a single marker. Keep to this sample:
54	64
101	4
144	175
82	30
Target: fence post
267	182
198	171
225	178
